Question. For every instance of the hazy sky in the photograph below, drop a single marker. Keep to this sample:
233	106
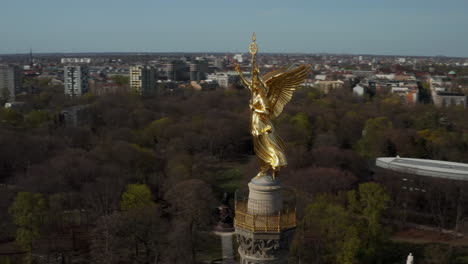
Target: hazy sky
396	27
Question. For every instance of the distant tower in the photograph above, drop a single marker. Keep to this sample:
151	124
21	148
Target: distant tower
10	81
31	60
194	72
142	79
76	80
198	70
170	71
219	63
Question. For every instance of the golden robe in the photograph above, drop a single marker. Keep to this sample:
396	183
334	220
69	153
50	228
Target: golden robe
268	146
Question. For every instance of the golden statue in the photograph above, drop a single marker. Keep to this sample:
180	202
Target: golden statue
270	94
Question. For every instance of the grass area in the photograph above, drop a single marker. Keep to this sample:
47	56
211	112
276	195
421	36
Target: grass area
429	253
418	236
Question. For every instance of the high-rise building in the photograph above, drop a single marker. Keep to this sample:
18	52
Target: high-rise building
76	80
198	70
177	70
142	79
219	63
10	81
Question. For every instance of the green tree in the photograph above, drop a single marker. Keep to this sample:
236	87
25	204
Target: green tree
121	80
4	96
327	234
332	233
146	162
10	116
314	94
28	210
302	131
425	93
373	139
154	131
429	119
191	203
136	196
368	204
36	117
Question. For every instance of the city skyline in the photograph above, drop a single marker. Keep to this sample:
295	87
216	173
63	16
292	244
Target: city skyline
428	28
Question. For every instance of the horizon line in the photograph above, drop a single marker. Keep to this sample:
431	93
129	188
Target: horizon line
226	52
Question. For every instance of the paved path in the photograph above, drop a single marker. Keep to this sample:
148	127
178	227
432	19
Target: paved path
226	244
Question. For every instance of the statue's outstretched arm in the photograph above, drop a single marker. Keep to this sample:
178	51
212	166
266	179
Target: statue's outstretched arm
241	75
246	83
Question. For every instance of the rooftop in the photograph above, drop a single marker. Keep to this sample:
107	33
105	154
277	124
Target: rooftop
449	93
423	167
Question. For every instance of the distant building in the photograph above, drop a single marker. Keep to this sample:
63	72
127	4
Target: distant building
358	90
224	79
363	74
208	86
177	71
440	89
383	86
198	70
423	191
75	60
239	58
320	77
425	168
389	76
446	99
404	77
409	95
10	81
76	80
143	79
75	116
327	86
219	63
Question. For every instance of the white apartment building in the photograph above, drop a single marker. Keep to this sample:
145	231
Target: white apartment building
10	81
76	80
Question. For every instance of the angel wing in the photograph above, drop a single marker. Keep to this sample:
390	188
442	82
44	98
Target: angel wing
276	72
281	85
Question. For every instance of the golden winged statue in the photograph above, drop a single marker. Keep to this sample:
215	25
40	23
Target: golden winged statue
270	94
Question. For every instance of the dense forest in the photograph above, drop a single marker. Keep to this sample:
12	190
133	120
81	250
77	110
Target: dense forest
138	180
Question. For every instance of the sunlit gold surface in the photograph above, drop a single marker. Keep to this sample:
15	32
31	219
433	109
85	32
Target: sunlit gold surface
270	94
263	223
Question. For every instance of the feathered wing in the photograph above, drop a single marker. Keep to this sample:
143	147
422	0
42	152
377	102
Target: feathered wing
281	86
276	72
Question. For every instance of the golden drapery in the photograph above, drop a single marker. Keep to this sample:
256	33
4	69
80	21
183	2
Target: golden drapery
268	146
